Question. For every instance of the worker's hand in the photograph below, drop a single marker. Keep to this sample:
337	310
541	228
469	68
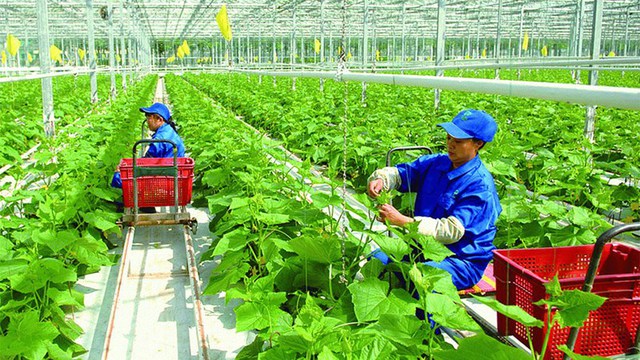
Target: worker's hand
375	188
388	212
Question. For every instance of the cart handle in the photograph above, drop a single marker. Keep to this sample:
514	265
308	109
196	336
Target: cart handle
143	133
593	268
406	148
135	178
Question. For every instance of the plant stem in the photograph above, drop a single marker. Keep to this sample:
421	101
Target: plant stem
548	334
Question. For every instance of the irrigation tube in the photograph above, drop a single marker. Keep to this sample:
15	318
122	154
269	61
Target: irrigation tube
622	98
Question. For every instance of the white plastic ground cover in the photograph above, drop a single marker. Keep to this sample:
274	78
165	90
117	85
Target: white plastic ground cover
155	318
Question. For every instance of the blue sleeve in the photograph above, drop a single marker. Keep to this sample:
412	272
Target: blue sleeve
116	180
157	150
412	174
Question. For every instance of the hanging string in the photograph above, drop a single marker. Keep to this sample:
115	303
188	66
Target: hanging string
341	70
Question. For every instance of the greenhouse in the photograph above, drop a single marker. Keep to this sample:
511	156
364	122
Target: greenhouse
320	179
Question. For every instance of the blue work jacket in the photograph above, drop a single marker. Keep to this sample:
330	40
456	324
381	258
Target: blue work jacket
468	193
157	150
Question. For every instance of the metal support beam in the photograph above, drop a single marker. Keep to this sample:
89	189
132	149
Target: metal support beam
123	57
596	37
45	65
440	46
365	33
112	58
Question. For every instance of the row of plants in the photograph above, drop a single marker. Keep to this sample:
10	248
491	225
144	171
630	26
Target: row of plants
308	122
52	235
21	119
296	269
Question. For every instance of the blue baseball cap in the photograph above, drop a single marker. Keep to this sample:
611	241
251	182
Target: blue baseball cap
158	108
471	124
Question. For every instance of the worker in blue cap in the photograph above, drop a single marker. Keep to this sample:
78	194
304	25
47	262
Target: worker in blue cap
160	122
456	198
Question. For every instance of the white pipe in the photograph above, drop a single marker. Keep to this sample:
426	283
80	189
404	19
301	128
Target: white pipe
55	74
623	98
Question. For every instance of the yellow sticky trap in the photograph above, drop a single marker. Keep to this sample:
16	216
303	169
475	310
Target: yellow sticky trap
4	57
185	48
29	58
378	55
55	53
81	53
484	53
612	53
171	59
180	52
222	18
544	51
525	42
13	44
316	46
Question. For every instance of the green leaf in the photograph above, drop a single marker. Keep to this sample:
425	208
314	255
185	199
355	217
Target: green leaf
552	287
379	348
215	177
295	342
221	281
55	241
372	269
61	298
251	351
402	329
488	347
103	194
322	249
511	311
273	219
250	316
447	313
39	272
309	312
565	349
97	220
396	248
327	354
56	353
369	298
237	203
322	200
579	216
233	241
27	336
430	279
576	307
432	249
6	250
355	224
12	267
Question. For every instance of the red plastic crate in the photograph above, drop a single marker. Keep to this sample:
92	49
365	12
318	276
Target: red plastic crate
610	330
157	190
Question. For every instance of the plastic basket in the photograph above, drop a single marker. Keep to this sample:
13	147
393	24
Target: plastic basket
610	330
157	190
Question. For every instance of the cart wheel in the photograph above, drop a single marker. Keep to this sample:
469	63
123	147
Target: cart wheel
193	225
